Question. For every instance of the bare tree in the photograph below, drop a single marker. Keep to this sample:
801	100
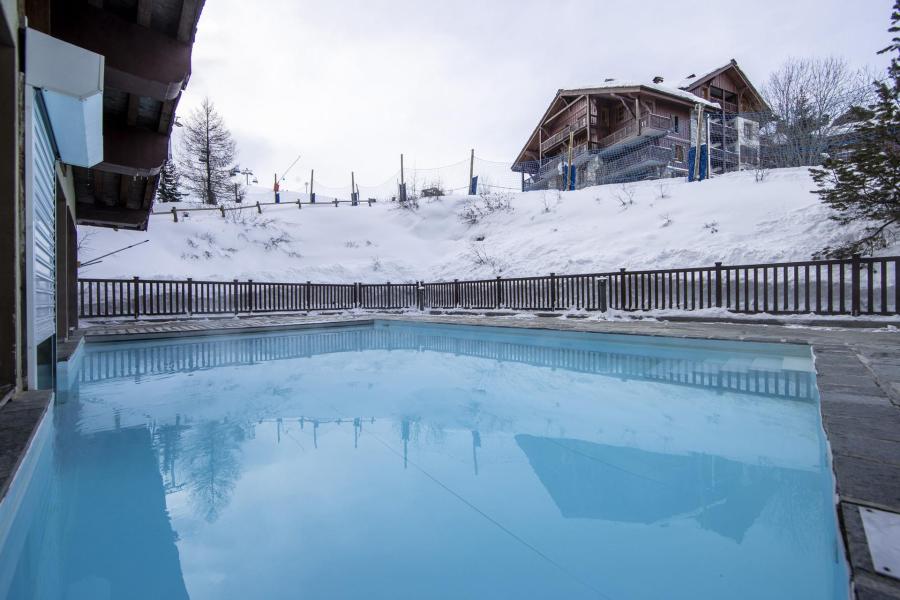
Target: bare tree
208	155
810	98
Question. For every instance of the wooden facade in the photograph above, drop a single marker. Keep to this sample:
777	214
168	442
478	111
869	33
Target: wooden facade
611	118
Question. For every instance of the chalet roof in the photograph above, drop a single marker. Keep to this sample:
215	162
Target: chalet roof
623	84
693	79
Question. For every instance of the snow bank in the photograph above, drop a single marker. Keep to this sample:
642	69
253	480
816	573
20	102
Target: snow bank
653	224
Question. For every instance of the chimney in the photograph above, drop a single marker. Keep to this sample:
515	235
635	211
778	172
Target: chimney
657	79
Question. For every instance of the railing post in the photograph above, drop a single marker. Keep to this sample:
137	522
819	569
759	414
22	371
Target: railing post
622	295
190	296
855	268
308	295
552	291
249	295
602	305
420	295
456	293
237	297
499	292
719	285
356	302
388	303
137	297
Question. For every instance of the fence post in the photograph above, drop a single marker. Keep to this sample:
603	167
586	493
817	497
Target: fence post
552	291
137	297
499	293
719	285
190	296
855	267
456	293
622	296
237	297
388	304
174	214
249	295
601	294
420	295
356	303
308	295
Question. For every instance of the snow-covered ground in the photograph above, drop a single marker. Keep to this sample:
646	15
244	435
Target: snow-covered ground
653	224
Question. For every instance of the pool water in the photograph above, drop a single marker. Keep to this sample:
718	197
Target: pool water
401	460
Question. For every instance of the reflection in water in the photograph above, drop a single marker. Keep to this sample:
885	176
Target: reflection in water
465	464
214	465
597	481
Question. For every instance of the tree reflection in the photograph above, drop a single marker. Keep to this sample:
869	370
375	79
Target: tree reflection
213	460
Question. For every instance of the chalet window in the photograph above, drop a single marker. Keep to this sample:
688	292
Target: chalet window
679	153
675	123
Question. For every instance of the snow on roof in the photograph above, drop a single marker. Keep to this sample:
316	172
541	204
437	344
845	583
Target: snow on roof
657	87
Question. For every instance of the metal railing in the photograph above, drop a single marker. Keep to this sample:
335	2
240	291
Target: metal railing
856	286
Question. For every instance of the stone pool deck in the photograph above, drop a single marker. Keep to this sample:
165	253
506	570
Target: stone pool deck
858	375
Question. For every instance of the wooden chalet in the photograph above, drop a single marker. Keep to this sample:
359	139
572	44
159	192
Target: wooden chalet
629	130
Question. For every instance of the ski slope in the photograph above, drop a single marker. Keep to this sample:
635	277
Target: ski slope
652	224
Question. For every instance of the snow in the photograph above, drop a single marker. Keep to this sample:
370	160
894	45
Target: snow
663	89
730	218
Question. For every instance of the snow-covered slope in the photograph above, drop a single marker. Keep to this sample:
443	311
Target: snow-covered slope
654	224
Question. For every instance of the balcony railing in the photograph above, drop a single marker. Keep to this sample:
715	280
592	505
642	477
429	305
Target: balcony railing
560	136
649	124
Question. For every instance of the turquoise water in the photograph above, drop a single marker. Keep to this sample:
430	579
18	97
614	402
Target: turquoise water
428	461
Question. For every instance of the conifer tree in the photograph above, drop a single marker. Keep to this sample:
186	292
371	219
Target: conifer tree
863	183
169	183
208	157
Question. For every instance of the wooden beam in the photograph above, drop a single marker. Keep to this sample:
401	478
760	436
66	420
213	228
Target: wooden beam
562	110
144	12
122	218
166	114
133	105
124	189
188	20
625	104
133	151
138	60
149	191
97	180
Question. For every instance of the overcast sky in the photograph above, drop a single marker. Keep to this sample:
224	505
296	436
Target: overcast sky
350	85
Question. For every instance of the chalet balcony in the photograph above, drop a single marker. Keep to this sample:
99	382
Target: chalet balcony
563	135
648	126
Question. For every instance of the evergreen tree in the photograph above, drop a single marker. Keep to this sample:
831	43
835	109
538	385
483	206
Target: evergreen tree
208	155
169	183
863	183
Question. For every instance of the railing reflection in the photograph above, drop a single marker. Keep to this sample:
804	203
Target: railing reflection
180	356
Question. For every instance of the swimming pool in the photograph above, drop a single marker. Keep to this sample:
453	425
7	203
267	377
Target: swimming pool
401	460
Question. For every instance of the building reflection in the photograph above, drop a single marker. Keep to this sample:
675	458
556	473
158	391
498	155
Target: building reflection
587	480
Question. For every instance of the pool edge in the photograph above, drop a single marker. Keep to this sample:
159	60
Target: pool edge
853	393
